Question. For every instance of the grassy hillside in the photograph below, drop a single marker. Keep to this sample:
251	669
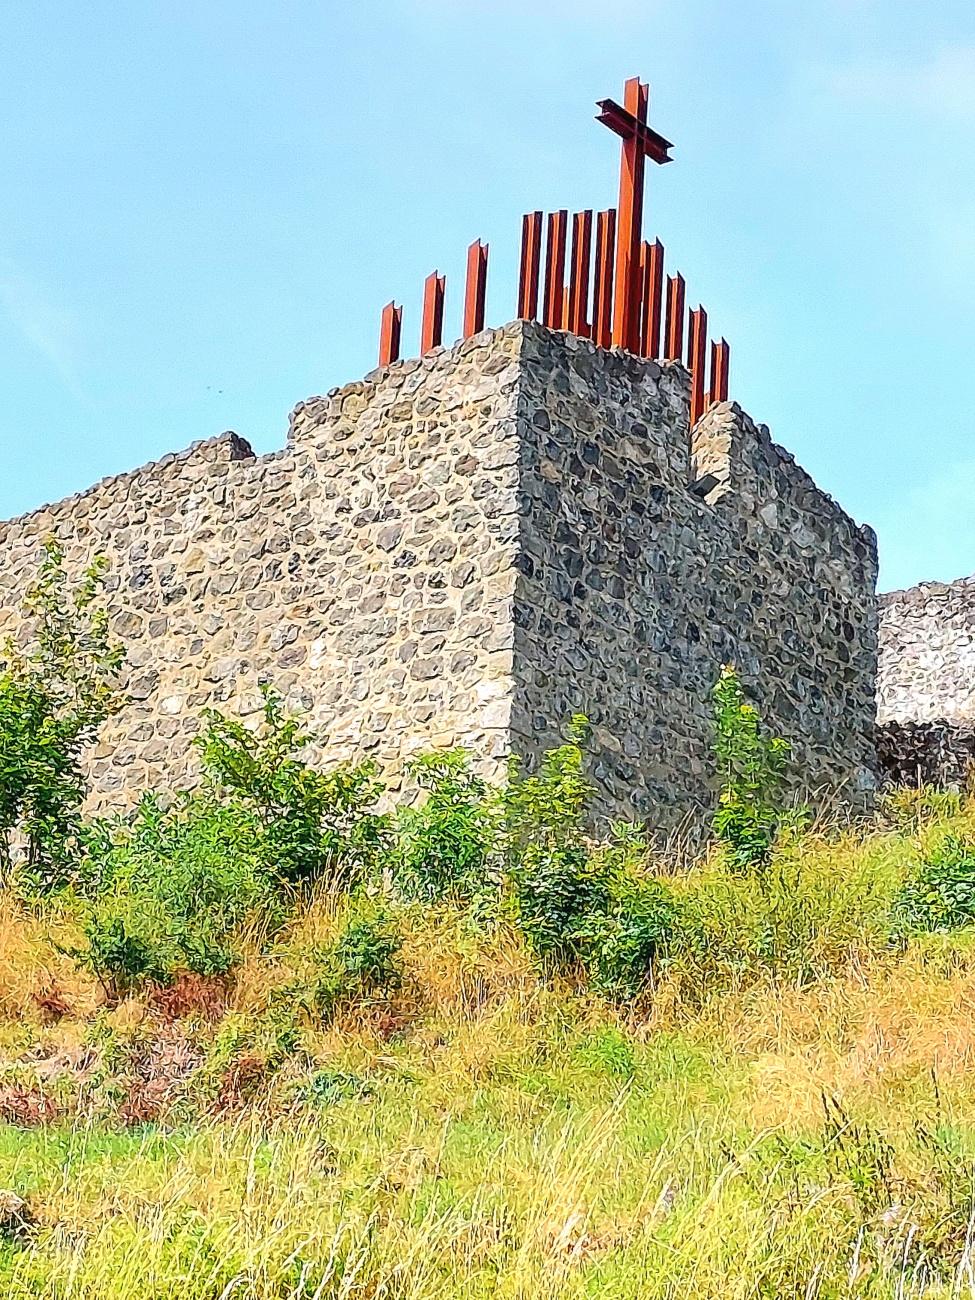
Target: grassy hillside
266	1040
786	1112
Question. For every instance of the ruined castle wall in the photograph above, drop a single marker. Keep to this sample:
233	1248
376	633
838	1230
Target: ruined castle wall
927	654
469	548
367	569
650	559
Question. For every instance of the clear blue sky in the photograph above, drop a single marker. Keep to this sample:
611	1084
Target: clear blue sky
204	205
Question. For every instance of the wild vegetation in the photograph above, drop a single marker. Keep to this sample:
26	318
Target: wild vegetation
270	1040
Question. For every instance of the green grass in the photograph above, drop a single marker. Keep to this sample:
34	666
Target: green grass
790	1112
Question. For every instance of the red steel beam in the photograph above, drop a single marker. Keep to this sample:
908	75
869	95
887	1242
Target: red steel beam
720	368
390	334
626	316
674	332
697	342
531	263
558	229
653	290
578	312
602	298
431	332
475	298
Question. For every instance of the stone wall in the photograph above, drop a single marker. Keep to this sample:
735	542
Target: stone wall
368	569
467	549
926	669
649	559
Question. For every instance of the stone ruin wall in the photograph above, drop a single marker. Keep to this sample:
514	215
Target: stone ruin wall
651	557
468	548
926	683
366	569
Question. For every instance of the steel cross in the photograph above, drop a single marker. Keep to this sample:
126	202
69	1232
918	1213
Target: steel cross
640	142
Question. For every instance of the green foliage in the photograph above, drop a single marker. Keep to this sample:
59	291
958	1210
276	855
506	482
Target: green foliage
607	1050
54	695
363	964
939	894
328	1087
751	766
637	930
315	823
171	890
557	884
443	847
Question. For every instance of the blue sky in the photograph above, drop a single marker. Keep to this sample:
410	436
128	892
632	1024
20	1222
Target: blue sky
204	206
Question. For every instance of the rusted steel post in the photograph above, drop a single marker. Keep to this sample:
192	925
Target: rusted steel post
639	143
674	331
475	298
653	291
431	332
578	313
697	342
626	327
602	298
531	264
558	226
390	334
720	368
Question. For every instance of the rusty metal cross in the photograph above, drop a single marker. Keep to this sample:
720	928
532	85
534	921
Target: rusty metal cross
640	142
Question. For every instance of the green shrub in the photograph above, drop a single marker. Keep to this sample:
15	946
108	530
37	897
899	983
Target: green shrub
367	953
315	823
557	885
636	932
171	890
362	965
939	894
751	766
443	847
54	695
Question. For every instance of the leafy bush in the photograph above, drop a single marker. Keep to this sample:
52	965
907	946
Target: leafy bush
751	766
315	823
637	931
170	890
557	885
54	695
362	965
442	848
367	952
939	894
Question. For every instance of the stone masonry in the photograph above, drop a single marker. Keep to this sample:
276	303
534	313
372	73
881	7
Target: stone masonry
926	683
468	549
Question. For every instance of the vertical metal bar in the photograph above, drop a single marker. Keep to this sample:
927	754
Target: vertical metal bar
390	334
602	307
653	289
531	263
578	313
674	331
558	226
697	342
475	298
626	318
720	368
431	332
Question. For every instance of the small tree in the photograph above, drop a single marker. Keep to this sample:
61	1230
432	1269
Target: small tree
557	883
315	823
443	845
54	695
751	765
